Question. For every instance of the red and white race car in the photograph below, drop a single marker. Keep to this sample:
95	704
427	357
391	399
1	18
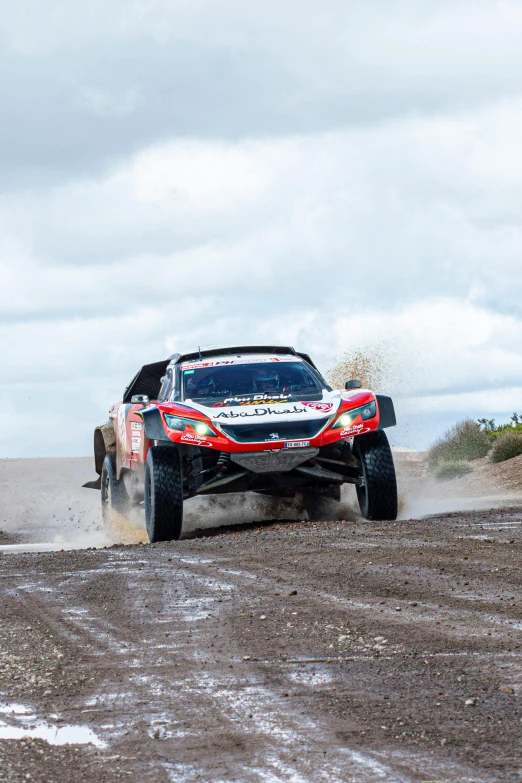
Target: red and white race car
248	418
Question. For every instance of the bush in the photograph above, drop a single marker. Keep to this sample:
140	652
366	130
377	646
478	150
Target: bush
464	441
507	446
494	430
445	471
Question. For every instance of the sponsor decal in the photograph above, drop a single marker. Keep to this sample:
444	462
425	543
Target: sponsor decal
122	430
324	407
196	366
248	360
258	412
252	399
136	432
266	401
239	360
195	440
355	429
297	444
245	360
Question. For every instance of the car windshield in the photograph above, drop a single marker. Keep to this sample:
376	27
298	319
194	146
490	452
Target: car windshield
251	383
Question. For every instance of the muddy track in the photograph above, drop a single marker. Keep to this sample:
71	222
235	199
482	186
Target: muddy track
276	652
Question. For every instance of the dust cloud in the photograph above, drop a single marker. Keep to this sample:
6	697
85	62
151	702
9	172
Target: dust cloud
43	502
421	496
386	367
222	510
44	505
369	367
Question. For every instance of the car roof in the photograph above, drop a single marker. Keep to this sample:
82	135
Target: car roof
227	359
221	352
148	379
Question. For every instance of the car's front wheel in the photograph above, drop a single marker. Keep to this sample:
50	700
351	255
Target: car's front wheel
377	494
163	494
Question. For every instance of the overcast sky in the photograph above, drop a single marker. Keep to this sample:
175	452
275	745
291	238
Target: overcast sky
331	174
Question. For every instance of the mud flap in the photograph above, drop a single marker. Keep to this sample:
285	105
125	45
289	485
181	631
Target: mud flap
386	411
93	484
154	429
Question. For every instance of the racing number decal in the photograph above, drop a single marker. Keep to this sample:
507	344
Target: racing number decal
136	430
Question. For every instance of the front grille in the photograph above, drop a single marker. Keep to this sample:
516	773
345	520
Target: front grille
263	433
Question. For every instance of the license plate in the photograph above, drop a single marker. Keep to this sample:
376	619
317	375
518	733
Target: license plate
297	444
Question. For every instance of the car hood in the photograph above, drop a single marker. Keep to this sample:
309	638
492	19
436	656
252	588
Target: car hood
261	412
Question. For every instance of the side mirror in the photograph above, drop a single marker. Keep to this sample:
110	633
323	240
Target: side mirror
355	384
140	399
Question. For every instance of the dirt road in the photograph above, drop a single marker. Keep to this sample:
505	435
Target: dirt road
296	652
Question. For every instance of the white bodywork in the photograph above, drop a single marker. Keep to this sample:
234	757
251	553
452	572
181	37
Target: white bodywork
279	412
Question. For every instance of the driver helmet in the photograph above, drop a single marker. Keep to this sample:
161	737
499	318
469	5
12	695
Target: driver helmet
202	387
266	380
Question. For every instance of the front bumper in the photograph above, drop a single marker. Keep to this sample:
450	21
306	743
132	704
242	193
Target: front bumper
279	461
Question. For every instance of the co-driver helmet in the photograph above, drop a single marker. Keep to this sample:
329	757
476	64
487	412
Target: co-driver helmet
266	380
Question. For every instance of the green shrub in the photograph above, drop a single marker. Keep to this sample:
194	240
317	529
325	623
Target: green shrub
464	441
494	430
507	446
445	471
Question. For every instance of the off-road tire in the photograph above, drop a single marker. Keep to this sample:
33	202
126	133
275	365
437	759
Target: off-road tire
378	496
114	496
163	494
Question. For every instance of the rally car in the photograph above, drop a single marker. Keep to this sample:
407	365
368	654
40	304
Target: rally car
237	419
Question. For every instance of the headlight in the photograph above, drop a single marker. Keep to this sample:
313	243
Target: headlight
203	429
346	418
177	423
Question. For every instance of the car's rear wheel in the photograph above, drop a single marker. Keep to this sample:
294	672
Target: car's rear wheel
114	496
319	506
378	494
163	494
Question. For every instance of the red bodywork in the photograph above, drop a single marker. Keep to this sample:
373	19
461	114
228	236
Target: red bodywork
132	444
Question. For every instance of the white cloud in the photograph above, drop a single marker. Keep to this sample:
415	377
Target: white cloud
444	357
407	210
106	103
410	42
336	179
